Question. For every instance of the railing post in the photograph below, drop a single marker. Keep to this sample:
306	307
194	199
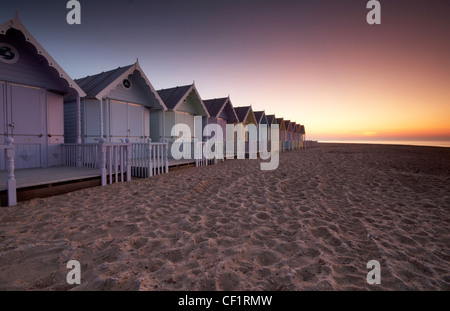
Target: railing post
128	147
78	152
203	154
10	153
197	161
166	154
102	150
150	162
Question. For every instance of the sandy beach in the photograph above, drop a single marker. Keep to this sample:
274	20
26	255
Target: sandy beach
312	224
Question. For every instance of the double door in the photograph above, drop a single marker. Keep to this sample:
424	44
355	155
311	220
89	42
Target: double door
23	118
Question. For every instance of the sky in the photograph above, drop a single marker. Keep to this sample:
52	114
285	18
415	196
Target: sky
315	62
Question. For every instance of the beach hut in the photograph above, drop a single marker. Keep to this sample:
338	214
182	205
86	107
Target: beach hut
271	119
183	104
297	136
247	117
221	111
260	120
32	91
282	136
117	106
302	135
291	134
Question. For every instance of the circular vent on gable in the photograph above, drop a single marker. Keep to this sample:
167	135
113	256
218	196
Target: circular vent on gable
8	54
126	83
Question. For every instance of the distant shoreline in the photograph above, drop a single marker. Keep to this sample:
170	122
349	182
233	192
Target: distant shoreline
438	144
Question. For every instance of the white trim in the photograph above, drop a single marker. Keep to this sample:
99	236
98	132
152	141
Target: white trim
192	88
223	107
125	75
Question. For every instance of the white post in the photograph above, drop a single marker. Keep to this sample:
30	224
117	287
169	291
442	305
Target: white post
166	154
149	151
128	146
102	150
78	148
11	183
101	118
163	125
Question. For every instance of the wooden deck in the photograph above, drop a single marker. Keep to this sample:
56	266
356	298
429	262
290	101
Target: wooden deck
44	182
44	176
182	162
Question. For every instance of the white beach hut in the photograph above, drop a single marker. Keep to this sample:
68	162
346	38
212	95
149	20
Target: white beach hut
183	104
117	106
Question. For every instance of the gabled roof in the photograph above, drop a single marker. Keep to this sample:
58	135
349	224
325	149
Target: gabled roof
15	23
292	126
286	124
217	105
260	116
302	129
245	114
281	123
98	86
175	96
271	119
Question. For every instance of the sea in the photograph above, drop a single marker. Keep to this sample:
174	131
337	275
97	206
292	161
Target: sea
431	143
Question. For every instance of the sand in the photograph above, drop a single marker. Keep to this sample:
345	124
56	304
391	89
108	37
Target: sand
312	224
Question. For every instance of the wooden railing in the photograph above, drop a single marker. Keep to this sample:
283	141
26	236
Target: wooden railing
10	152
149	159
113	160
81	155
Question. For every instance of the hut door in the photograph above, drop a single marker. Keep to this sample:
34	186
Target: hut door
127	121
25	122
135	123
118	121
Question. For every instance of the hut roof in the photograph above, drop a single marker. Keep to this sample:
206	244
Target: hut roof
260	116
286	124
99	85
217	105
281	123
302	129
175	96
245	114
293	126
271	119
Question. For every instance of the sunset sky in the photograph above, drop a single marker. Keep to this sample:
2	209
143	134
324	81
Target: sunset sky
314	62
